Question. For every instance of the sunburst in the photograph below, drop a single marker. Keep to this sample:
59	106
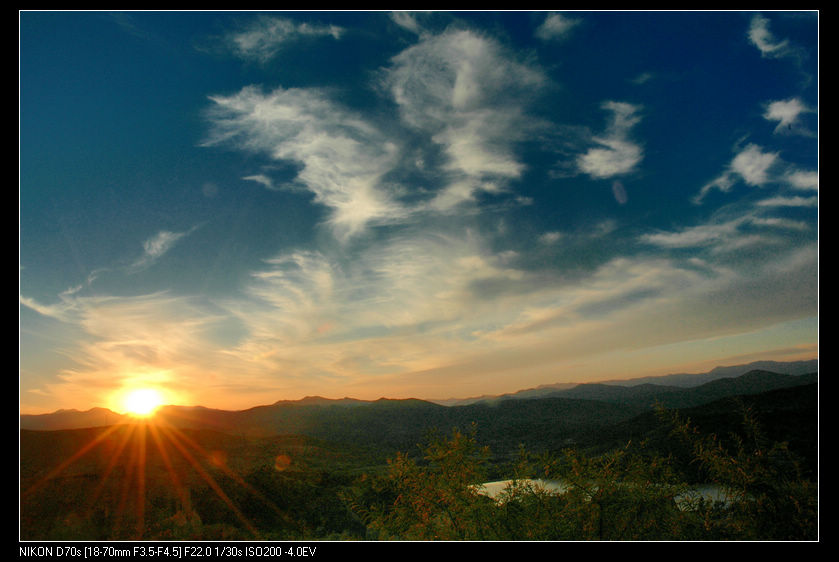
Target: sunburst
142	402
128	445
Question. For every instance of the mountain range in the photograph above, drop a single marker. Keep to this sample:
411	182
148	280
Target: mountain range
308	453
684	380
533	419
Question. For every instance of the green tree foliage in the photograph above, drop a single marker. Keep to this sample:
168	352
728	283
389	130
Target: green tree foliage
628	494
766	495
640	491
432	499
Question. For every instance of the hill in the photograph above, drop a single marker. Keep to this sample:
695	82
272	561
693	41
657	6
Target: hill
286	469
401	424
71	419
646	395
688	379
386	425
785	415
681	380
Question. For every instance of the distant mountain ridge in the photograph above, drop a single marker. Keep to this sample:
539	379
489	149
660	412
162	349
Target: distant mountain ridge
71	419
682	380
645	395
687	379
561	417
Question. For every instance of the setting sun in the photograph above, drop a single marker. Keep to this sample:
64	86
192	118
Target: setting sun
142	401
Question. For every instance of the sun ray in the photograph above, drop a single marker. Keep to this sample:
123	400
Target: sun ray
141	478
232	474
180	489
207	477
69	461
126	445
112	462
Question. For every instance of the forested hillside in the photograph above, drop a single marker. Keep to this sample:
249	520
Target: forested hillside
411	470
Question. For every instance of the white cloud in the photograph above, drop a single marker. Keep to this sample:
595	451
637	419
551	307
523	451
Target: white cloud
458	89
343	157
727	235
789	202
155	247
786	113
616	154
264	38
51	311
642	78
615	157
575	312
764	40
468	95
160	243
389	316
406	282
261	179
405	304
550	237
803	180
147	339
556	26
775	222
695	236
752	165
443	303
407	20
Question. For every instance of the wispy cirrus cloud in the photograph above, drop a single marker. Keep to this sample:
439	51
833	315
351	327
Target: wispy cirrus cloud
762	38
468	96
551	237
458	93
398	314
403	305
408	20
457	90
343	158
445	304
156	246
782	201
616	154
262	179
266	36
556	26
695	236
414	171
751	227
158	339
751	165
56	311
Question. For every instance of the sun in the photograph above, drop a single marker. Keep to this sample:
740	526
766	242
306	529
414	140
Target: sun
142	402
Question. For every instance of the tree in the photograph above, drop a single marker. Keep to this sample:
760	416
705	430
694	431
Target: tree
627	494
436	498
620	496
632	493
766	495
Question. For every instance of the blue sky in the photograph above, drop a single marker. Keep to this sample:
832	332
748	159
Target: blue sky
243	207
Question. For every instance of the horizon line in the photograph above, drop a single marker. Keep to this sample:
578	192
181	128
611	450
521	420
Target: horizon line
440	401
